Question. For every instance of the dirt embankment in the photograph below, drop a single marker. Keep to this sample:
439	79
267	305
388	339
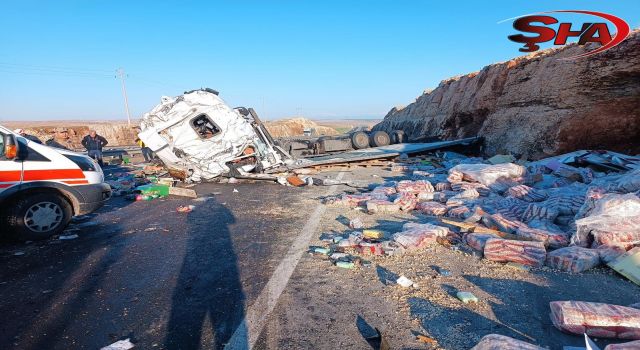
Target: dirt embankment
118	133
69	133
296	127
537	105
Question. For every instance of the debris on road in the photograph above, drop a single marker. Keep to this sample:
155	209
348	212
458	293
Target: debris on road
405	282
67	237
466	297
125	344
185	208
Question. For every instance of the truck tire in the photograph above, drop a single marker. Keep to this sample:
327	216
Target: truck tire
398	136
360	140
380	138
38	216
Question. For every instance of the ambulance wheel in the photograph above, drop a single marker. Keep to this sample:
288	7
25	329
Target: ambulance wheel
380	138
360	140
38	216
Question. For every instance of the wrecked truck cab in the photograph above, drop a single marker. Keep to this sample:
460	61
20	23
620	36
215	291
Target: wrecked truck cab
199	138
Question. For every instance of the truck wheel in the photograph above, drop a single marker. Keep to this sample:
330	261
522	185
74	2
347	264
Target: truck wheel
380	138
360	140
38	216
398	136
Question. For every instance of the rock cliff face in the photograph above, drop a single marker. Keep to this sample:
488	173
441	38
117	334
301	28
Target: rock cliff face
536	105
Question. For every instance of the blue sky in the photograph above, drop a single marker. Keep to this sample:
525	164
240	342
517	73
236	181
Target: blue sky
321	59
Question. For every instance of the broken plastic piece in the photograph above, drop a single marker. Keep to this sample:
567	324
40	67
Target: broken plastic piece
120	345
467	297
628	265
404	282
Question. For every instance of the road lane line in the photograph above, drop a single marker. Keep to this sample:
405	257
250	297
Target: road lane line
249	330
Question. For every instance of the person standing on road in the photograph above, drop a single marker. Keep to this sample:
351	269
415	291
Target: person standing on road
94	143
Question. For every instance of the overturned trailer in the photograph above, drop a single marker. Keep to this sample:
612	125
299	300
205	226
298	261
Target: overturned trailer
198	138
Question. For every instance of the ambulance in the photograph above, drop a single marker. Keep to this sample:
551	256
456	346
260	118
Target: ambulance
42	188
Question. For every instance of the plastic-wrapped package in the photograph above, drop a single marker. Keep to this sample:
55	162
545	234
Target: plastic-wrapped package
426	196
486	174
406	201
629	182
527	194
461	212
566	201
386	190
478	240
615	220
538	211
596	319
609	253
550	239
573	259
501	223
443	186
432	208
632	345
414	187
381	206
592	196
521	252
480	188
501	342
512	208
415	238
439	231
584	175
356	224
443	196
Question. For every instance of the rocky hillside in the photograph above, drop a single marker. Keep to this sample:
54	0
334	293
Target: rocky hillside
296	126
536	105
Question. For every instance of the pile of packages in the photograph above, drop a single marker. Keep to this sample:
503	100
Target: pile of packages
571	212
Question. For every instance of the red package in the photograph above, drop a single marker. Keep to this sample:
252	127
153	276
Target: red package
407	201
478	240
573	259
551	239
632	345
521	252
432	208
596	319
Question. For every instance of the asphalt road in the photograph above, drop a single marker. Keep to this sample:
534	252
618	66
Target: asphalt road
141	270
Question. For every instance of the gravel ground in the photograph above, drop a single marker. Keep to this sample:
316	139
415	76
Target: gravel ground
325	306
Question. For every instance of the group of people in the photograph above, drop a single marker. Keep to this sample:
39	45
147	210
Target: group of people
94	144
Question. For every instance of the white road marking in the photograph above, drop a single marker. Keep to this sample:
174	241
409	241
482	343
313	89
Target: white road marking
251	326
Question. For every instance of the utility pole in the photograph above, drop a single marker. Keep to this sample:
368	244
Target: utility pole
121	74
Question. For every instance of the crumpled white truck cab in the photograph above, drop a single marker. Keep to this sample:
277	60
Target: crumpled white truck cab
198	138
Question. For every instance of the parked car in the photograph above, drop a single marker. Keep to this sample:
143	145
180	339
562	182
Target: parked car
42	188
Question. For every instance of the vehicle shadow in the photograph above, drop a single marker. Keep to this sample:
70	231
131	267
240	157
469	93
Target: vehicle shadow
208	300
